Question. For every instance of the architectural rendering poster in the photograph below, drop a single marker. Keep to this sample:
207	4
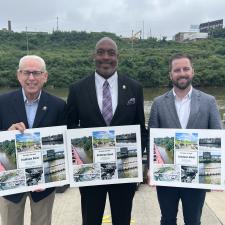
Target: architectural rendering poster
34	159
104	155
187	158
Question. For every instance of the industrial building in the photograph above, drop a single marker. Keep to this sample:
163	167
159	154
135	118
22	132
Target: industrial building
9	29
207	27
190	36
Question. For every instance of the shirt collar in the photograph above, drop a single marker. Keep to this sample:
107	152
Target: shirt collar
100	80
188	95
30	102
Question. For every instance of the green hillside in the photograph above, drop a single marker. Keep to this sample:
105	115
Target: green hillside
69	57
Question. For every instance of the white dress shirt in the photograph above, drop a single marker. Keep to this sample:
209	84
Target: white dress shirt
183	108
113	84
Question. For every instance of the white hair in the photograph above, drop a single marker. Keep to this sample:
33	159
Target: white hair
32	57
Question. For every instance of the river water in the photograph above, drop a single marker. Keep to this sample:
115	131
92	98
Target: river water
150	94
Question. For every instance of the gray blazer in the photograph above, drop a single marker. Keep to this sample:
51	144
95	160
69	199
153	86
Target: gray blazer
204	112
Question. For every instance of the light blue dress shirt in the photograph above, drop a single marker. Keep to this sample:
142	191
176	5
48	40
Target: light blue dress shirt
31	108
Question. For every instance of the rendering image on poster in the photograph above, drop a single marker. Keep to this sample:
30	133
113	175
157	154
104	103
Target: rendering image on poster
34	159
12	179
164	150
34	176
7	153
127	162
168	173
86	172
27	142
210	167
52	141
104	155
103	139
189	174
210	160
196	161
126	139
209	143
82	152
54	165
108	171
186	141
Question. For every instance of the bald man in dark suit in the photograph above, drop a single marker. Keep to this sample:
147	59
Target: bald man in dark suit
86	103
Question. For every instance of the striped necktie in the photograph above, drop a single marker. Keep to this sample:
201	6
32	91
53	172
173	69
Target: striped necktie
107	111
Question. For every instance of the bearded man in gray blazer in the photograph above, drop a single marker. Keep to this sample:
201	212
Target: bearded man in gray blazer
187	108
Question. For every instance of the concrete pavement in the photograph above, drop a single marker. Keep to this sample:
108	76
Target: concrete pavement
145	208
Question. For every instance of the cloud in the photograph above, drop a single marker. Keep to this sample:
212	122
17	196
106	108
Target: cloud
158	17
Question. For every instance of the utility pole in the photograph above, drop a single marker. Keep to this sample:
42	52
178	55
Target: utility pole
132	39
57	23
143	30
27	42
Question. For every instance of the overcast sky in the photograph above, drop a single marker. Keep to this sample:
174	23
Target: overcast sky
158	17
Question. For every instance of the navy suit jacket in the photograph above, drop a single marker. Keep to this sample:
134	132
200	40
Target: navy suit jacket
50	112
83	109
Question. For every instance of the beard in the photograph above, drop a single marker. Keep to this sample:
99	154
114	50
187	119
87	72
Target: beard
183	85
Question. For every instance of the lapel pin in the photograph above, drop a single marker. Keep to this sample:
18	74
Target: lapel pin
124	87
44	108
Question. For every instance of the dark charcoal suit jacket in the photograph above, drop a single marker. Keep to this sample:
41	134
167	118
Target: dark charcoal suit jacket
83	110
50	112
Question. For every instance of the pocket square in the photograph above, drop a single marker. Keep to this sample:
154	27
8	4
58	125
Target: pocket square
131	101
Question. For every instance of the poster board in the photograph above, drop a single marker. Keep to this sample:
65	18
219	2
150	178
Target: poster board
104	155
189	158
34	159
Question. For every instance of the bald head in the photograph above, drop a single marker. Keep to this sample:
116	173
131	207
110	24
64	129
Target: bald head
106	57
109	40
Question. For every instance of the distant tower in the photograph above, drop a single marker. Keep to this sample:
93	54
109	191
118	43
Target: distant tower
9	25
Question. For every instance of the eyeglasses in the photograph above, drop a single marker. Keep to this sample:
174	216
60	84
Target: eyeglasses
27	73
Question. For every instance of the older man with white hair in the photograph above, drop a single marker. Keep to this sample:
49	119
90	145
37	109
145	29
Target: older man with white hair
30	107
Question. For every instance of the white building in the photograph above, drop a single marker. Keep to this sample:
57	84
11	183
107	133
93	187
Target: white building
189	36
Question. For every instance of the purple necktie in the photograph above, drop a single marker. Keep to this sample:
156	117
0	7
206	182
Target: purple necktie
107	112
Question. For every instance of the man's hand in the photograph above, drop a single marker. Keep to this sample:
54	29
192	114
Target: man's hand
38	190
214	190
18	126
149	179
